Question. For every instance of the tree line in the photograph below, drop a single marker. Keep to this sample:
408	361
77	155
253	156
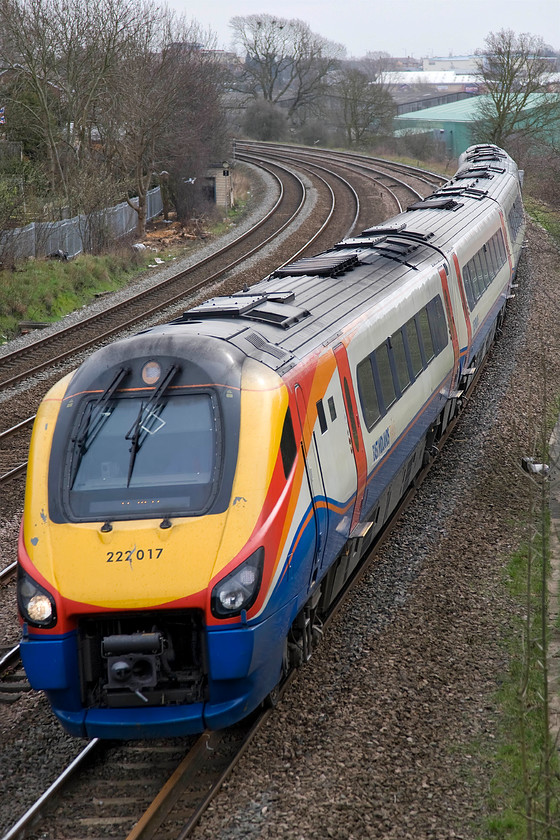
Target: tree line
104	97
109	99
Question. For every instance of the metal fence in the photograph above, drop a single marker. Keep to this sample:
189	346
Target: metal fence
72	236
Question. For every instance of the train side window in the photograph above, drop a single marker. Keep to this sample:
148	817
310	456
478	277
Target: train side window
426	334
499	252
475	269
479	284
515	217
438	324
321	417
483	268
288	448
368	394
501	248
414	347
401	363
469	287
493	257
385	375
486	273
487	265
332	409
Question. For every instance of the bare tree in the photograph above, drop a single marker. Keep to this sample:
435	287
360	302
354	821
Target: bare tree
166	88
515	72
366	105
285	62
60	54
196	133
108	93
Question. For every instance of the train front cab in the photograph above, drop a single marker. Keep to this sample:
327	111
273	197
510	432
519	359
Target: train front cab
122	592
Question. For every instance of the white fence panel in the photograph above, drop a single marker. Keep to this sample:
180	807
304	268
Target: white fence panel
40	239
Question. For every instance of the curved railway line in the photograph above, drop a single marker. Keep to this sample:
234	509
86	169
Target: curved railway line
115	809
413	182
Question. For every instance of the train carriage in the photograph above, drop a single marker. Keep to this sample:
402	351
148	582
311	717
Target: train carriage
198	494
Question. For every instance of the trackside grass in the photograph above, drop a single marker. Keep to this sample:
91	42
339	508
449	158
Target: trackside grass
545	215
524	795
46	290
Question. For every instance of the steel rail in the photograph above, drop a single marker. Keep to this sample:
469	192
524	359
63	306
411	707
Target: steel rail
20	467
5	477
327	221
362	161
345	182
9	658
421	174
7	572
23	824
7	432
365	171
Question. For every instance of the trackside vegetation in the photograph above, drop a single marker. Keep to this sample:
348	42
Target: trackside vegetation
42	291
524	795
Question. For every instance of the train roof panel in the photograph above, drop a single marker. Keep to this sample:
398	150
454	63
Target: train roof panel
308	303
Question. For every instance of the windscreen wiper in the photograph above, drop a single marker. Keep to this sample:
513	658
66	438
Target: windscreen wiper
88	427
133	434
93	419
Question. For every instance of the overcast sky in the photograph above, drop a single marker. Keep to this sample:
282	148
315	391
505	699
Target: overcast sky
400	27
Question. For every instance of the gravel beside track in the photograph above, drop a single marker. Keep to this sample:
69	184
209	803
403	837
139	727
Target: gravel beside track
384	733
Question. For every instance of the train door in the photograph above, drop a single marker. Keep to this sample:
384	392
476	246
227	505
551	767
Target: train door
459	305
356	438
452	326
333	443
315	482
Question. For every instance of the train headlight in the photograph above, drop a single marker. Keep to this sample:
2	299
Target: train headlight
238	590
37	606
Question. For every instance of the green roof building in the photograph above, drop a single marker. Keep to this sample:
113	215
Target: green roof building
453	124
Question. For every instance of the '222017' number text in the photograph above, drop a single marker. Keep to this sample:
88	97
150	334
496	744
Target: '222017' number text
134	554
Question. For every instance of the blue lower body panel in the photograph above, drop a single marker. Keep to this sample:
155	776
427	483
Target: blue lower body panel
244	665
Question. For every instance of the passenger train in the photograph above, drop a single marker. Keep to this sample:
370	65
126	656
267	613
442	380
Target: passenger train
198	494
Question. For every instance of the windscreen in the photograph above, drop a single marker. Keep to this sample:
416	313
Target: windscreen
132	457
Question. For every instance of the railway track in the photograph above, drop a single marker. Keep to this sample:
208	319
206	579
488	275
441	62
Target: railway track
162	788
400	181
